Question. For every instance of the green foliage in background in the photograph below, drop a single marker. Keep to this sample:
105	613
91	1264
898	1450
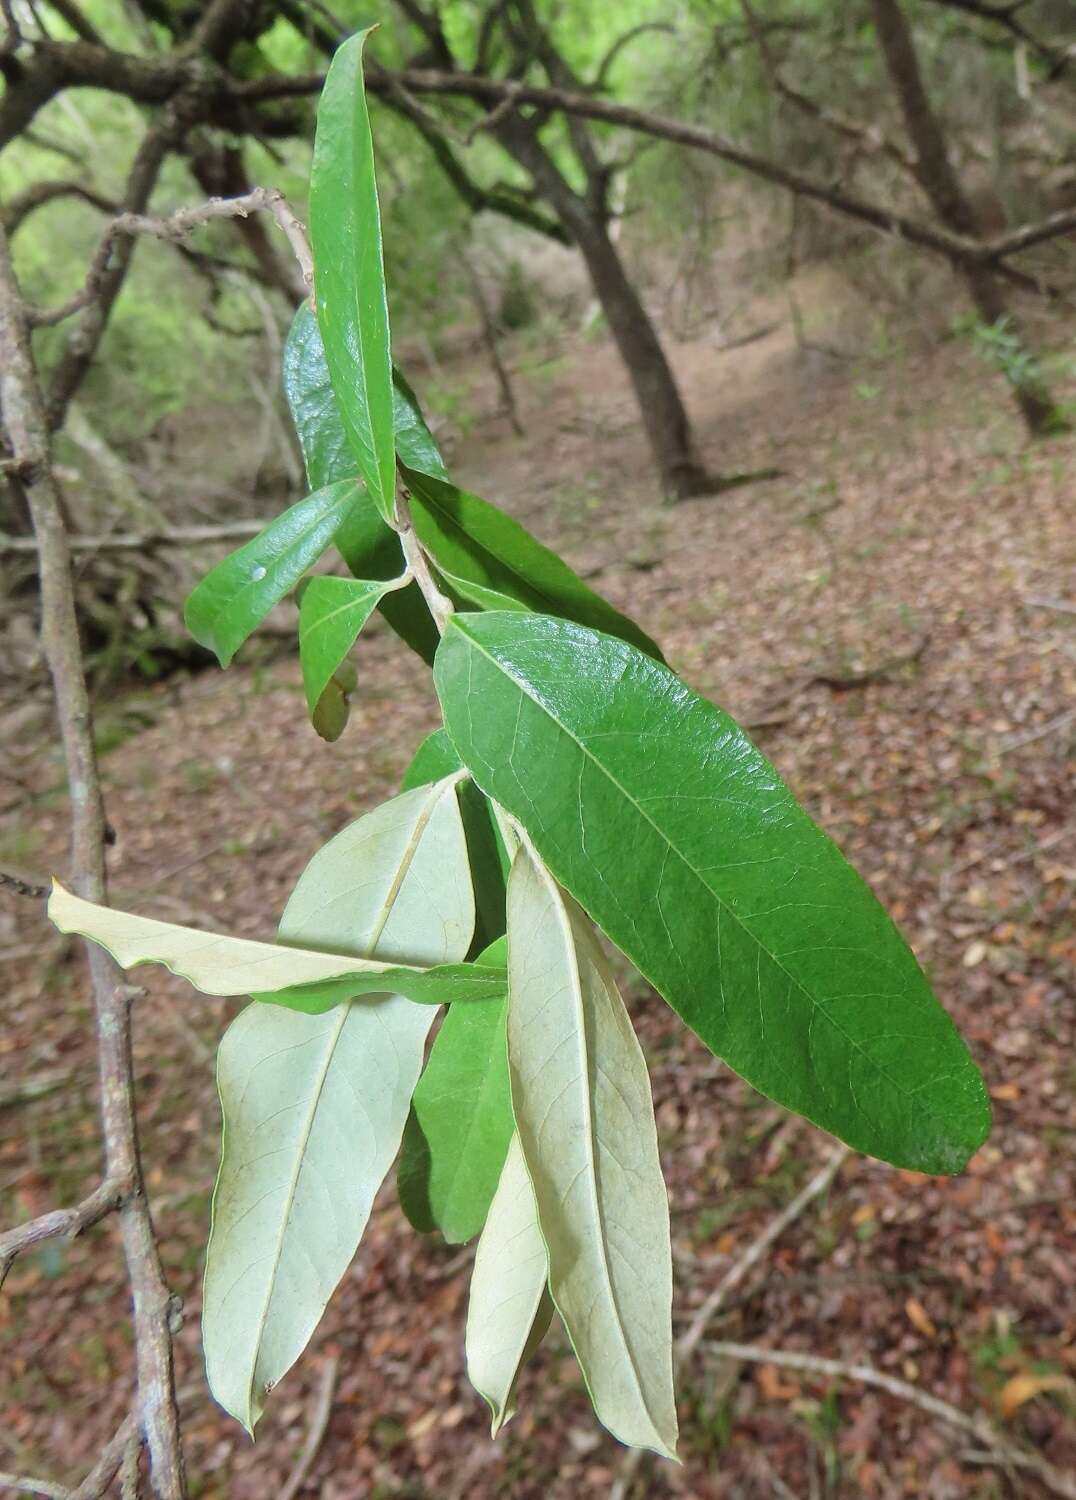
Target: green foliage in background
577	793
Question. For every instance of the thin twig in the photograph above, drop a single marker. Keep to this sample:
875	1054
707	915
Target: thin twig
175	227
440	607
142	541
96	1481
63	1223
1029	736
27	428
1004	1452
21	886
319	1422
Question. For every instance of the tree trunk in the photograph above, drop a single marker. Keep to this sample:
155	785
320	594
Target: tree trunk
664	415
939	181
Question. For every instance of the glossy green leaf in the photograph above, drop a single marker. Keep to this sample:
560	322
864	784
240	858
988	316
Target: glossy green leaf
370	548
581	1099
465	591
332	613
415	443
349	273
510	1308
473	543
460	1122
234	598
304	979
314	1106
326	451
682	842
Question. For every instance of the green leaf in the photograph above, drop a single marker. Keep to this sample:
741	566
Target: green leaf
581	1098
475	544
510	1308
302	979
314	410
415	442
349	273
370	548
314	1106
460	1123
233	599
326	451
332	613
477	594
435	757
684	845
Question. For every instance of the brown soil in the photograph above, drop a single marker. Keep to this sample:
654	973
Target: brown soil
909	509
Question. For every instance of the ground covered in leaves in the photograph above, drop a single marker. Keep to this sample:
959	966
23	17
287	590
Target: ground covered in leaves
894	618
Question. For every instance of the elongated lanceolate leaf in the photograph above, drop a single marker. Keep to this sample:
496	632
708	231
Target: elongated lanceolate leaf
326	451
233	599
332	613
685	846
349	274
460	1122
300	978
314	1106
478	545
581	1099
509	1309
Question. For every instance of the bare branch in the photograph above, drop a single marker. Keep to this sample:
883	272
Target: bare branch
1007	16
601	78
1004	1452
319	1422
19	208
956	248
18	883
96	1481
27	428
175	227
143	541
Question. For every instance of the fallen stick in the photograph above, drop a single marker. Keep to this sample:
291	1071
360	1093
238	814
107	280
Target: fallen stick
1000	1450
319	1421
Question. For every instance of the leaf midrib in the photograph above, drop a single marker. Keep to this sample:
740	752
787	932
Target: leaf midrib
722	904
414	839
564	923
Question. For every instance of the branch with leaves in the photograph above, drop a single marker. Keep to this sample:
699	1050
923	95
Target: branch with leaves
576	789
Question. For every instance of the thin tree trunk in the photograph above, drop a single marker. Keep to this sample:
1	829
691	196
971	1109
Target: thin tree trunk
939	181
664	415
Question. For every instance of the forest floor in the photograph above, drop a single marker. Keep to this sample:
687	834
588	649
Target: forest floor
912	537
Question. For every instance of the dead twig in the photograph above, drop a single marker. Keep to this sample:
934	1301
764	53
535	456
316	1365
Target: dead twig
27	428
1029	736
999	1449
96	1481
63	1223
143	541
319	1422
175	227
22	886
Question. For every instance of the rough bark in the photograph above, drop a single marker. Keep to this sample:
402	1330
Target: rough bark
939	181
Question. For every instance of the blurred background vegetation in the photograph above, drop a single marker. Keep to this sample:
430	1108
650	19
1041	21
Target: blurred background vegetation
513	227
